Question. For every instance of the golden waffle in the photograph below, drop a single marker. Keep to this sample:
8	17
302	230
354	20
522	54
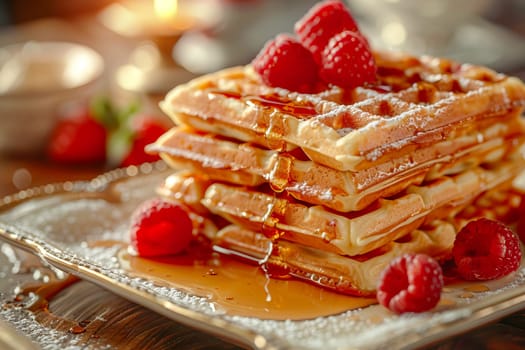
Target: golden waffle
188	188
496	204
354	233
359	275
415	103
249	165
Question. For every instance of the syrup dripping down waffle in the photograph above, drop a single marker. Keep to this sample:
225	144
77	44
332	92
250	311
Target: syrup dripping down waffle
354	276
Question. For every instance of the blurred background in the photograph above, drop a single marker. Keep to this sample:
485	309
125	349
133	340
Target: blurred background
58	59
234	30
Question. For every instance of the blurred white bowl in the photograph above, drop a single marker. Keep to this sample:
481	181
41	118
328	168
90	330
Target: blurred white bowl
37	80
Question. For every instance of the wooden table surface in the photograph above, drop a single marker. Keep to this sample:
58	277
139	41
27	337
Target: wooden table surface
21	173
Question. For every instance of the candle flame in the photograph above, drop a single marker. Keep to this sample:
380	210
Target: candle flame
166	9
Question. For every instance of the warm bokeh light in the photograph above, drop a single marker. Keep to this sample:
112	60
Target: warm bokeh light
394	33
165	9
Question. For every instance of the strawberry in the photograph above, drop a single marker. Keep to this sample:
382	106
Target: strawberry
411	283
284	62
144	130
160	227
486	249
78	138
347	61
321	23
103	133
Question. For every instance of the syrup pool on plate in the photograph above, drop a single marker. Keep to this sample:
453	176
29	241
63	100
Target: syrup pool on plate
238	288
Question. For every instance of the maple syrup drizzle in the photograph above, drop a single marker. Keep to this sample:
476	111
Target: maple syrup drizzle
35	297
269	230
263	264
477	288
239	288
304	109
283	104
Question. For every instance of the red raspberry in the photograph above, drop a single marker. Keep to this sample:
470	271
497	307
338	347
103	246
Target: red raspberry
321	23
411	283
348	61
485	249
159	227
284	62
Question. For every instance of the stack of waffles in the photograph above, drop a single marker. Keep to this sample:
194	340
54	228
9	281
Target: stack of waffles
330	187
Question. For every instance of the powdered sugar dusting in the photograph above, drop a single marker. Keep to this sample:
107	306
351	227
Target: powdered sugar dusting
308	190
24	320
381	175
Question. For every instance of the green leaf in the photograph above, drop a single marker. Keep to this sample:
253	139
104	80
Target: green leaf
103	110
116	121
118	146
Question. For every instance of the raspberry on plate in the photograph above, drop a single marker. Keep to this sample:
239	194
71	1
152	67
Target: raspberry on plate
284	62
411	283
321	23
160	227
348	61
486	249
